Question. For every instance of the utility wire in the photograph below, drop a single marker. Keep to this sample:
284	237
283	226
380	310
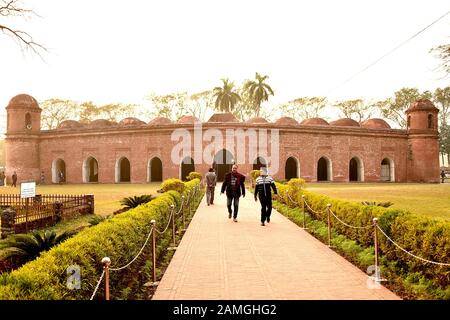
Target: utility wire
388	53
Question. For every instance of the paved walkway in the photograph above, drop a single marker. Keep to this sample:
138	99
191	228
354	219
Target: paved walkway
221	259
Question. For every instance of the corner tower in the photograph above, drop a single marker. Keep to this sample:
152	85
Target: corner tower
22	138
423	142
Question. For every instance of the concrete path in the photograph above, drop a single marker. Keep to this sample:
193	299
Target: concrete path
221	259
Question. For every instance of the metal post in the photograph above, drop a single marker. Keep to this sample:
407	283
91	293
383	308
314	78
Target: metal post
153	223
304	214
329	225
106	263
375	239
182	212
173	225
26	214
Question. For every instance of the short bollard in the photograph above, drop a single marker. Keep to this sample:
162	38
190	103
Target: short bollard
183	215
174	247
106	262
153	283
329	225
378	277
304	213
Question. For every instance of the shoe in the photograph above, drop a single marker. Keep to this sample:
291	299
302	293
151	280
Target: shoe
229	216
262	223
268	220
235	220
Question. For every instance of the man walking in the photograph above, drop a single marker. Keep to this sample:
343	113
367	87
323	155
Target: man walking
233	184
211	180
14	179
264	183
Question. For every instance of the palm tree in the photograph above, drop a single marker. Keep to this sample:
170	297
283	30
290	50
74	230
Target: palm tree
27	247
258	91
133	202
226	98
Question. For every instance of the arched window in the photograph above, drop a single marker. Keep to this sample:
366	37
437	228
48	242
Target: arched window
59	171
387	170
324	170
291	169
123	170
155	170
187	166
258	163
223	161
430	121
28	121
356	170
90	170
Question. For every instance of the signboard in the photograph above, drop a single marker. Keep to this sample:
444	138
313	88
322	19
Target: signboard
28	189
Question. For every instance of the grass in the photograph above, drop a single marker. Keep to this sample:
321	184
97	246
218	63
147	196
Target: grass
431	200
106	196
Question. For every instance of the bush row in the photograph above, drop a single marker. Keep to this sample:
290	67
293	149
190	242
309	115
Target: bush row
120	238
425	237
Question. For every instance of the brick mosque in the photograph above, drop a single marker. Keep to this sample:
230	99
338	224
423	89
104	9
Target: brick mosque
133	151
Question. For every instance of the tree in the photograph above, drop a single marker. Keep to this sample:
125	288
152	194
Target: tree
226	97
441	99
116	111
356	108
304	107
394	108
443	53
13	8
258	91
172	106
88	112
27	247
55	111
199	103
444	141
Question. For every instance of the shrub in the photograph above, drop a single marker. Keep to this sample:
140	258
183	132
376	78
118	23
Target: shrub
119	238
133	202
194	175
173	184
254	174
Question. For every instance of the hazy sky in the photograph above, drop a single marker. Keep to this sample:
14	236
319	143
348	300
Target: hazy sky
119	51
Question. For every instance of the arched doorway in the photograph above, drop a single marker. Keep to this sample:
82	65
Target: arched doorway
187	166
356	170
324	171
59	171
90	170
123	170
154	170
291	169
259	162
223	161
387	170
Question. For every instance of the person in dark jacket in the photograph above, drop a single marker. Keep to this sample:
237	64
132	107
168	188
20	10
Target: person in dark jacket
264	184
233	184
14	179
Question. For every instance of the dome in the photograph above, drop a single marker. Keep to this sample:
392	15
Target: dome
422	104
188	120
23	101
69	124
255	120
345	122
101	123
286	121
314	122
223	117
375	123
159	121
131	122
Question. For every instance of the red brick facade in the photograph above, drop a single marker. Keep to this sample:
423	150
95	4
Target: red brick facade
379	153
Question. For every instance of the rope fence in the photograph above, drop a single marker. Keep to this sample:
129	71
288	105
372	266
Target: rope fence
375	226
106	261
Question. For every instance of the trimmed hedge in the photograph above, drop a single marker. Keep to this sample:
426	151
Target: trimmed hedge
425	237
119	238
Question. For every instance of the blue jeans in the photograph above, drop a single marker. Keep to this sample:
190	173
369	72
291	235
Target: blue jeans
234	198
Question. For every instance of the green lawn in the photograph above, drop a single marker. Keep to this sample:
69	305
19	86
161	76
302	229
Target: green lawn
426	199
106	196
